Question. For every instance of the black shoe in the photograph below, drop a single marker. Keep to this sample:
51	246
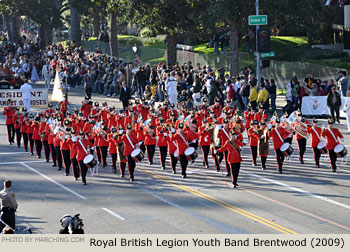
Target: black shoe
280	172
218	170
39	156
234	186
318	166
104	165
47	160
132	179
334	170
114	170
263	168
184	176
122	176
53	165
338	121
301	161
228	175
84	183
75	178
59	168
163	168
174	172
32	154
67	173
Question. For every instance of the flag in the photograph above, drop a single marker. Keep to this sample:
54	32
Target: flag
57	94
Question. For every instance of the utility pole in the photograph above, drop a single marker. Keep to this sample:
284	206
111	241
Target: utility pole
258	73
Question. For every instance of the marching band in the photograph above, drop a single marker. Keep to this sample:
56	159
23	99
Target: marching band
70	140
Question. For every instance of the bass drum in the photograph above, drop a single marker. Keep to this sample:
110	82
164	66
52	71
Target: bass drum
322	146
137	155
340	150
287	149
191	153
90	161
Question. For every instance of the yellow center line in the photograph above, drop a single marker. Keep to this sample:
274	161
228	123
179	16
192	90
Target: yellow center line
220	202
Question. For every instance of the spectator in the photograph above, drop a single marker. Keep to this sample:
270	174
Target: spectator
253	96
342	82
334	103
263	97
272	92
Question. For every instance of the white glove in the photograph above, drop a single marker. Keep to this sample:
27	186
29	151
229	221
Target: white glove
342	139
121	132
236	136
215	151
165	134
262	137
269	126
92	148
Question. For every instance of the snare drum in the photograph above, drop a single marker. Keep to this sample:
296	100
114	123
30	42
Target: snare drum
322	146
191	153
176	155
90	161
137	155
287	149
340	150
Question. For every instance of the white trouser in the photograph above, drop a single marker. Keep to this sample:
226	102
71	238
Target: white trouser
173	99
47	81
26	103
348	119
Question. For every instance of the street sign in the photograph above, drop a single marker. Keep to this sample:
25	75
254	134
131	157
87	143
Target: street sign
258	20
268	54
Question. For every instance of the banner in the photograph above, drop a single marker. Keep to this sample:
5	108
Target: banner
39	97
317	105
57	94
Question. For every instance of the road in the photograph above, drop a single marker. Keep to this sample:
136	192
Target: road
303	200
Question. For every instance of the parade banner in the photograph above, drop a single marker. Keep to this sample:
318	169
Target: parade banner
317	106
39	97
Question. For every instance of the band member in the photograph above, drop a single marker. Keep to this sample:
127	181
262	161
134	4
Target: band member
233	147
57	145
253	141
73	154
10	112
113	148
17	127
44	134
172	147
50	141
205	141
102	144
82	146
65	146
332	134
224	136
48	111
162	143
140	134
23	122
129	139
278	134
300	138
261	115
120	147
249	116
150	142
315	133
181	140
263	146
36	136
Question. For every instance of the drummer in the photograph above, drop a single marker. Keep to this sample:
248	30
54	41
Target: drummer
181	140
233	147
82	145
332	134
315	133
278	134
301	140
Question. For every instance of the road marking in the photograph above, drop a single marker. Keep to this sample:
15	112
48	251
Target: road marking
53	181
113	213
288	206
298	190
221	203
12	153
24	162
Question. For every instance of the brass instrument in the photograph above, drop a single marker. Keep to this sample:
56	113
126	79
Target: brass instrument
300	127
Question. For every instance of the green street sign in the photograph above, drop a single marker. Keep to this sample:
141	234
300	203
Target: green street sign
265	55
258	20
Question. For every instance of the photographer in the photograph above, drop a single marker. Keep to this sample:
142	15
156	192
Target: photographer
8	206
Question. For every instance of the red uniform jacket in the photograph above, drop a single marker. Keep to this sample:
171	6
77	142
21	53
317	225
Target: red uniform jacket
224	136
248	117
81	154
9	112
253	141
277	141
204	137
331	141
112	144
42	130
35	126
163	136
150	139
172	146
234	156
315	137
182	142
259	117
128	147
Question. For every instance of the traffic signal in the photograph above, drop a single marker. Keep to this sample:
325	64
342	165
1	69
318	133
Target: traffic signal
263	40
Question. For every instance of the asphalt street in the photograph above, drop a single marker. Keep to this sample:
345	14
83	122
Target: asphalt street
304	199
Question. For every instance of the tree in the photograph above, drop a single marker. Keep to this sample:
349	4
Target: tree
231	16
177	19
75	25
